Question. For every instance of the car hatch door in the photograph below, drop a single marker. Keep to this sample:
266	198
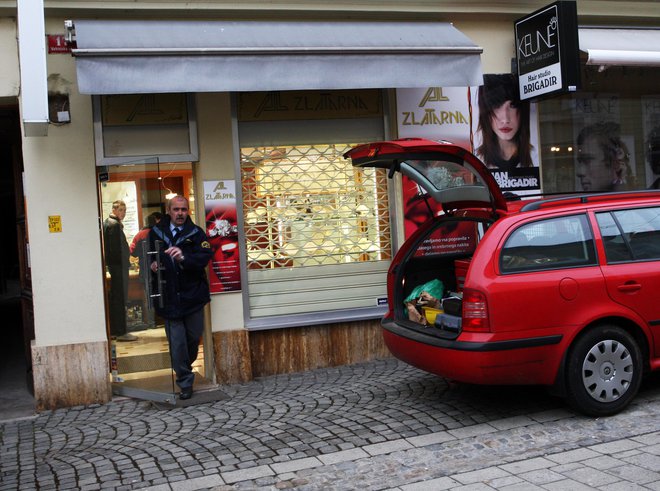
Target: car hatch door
451	175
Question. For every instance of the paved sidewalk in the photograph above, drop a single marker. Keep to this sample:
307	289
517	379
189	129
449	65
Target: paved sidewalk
374	426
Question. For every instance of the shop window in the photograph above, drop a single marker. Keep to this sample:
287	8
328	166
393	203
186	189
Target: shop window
317	231
307	206
604	137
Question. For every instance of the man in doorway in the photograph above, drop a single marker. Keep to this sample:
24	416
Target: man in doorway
117	261
185	252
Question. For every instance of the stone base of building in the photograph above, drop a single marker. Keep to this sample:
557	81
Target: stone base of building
242	355
70	375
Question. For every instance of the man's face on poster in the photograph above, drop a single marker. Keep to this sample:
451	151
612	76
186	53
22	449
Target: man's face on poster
593	169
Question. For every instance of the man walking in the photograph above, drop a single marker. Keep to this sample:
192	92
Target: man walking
185	252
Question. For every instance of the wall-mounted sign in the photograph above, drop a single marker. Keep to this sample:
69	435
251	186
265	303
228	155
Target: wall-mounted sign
54	224
309	105
547	51
57	44
144	109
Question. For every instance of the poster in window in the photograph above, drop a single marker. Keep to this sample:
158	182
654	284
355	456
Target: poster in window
222	230
604	156
506	135
651	127
127	192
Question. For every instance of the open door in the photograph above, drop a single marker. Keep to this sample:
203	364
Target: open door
139	351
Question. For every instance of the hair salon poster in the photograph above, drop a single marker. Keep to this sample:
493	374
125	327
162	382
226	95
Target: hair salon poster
452	114
604	154
506	134
222	230
651	126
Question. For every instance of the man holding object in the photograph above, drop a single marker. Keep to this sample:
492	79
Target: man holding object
185	252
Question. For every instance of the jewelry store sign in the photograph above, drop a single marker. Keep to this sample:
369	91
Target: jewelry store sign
547	51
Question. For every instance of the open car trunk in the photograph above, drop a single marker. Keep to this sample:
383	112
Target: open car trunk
431	273
437	255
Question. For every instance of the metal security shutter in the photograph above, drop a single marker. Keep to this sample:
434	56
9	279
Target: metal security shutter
318	234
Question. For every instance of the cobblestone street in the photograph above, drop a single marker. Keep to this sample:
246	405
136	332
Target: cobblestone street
373	426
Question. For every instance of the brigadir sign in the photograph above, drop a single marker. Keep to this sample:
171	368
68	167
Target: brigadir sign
547	51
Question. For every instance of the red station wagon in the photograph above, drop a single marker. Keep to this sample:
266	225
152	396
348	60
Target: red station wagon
563	291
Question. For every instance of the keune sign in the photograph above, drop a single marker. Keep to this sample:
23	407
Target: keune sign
547	51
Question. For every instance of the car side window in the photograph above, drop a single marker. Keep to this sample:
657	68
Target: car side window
553	243
630	235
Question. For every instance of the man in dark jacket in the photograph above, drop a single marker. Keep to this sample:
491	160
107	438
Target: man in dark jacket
117	262
185	252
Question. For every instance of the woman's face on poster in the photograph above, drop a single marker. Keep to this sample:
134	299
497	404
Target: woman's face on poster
505	121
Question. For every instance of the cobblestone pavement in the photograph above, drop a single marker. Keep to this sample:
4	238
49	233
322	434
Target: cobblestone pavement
375	426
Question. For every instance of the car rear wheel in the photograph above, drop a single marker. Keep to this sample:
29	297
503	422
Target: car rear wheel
604	371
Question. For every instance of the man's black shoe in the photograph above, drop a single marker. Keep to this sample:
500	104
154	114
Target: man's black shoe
185	394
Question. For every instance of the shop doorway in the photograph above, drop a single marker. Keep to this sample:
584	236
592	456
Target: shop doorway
16	384
139	350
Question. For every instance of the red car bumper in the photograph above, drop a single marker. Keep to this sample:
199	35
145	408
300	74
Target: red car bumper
478	361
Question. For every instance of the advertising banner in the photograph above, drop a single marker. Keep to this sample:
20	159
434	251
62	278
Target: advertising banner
222	230
488	121
435	113
506	135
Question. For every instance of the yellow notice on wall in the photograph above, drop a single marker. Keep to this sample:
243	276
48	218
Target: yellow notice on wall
54	223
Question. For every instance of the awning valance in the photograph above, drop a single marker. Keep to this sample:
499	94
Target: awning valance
624	47
123	57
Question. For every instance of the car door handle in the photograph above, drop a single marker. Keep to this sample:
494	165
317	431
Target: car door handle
629	287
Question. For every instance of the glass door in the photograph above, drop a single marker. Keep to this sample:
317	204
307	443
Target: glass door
133	199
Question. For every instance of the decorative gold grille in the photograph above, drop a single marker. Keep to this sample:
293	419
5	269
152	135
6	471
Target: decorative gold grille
307	206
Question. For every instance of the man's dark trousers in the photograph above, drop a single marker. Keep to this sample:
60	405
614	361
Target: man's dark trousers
118	297
183	334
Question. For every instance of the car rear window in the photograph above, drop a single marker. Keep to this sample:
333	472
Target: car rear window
630	235
443	174
553	243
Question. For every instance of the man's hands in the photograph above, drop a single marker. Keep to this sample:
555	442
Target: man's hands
174	252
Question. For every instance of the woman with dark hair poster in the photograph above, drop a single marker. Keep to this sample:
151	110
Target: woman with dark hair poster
504	134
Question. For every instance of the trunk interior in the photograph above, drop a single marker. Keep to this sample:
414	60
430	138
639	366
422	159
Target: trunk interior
432	277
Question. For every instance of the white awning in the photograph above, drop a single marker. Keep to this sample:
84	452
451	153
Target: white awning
626	47
123	57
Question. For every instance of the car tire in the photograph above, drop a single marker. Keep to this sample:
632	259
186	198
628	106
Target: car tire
604	371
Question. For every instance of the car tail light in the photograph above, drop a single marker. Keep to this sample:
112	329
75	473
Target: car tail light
475	311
